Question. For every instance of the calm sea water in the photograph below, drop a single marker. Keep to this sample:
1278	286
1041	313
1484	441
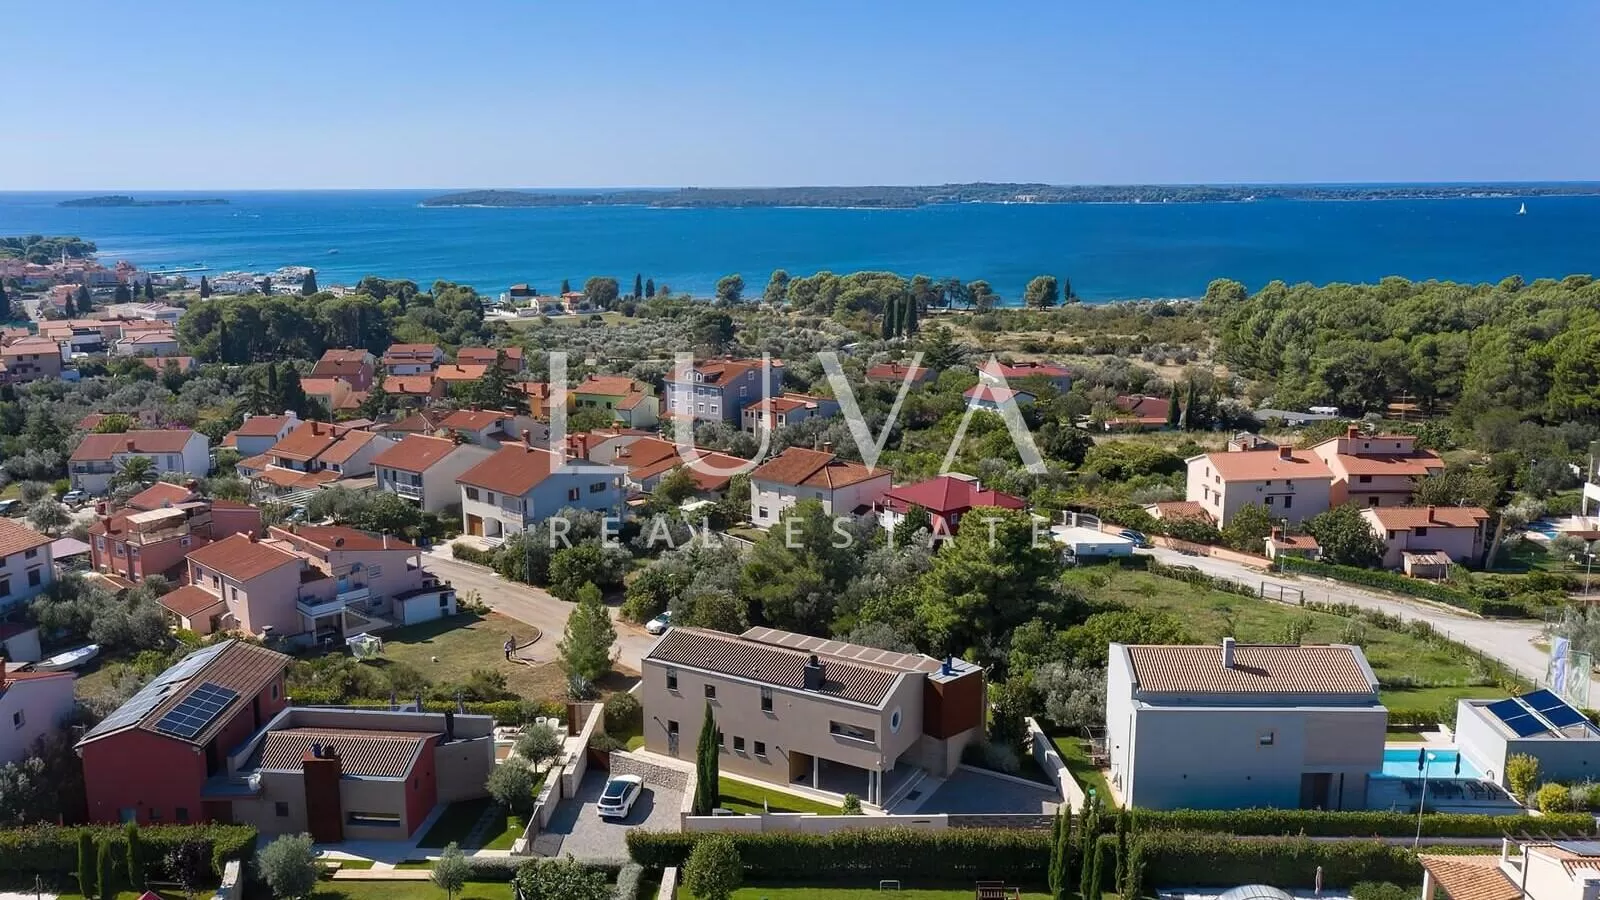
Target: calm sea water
1110	251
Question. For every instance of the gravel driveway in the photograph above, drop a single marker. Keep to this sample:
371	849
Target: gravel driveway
577	829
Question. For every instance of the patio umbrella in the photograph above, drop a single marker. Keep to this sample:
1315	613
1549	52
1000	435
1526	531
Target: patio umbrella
1422	761
1458	763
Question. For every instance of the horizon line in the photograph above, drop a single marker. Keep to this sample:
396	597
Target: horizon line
682	187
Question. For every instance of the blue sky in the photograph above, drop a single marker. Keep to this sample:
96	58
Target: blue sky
348	94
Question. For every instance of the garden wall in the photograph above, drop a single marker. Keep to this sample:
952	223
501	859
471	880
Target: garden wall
1044	753
232	886
808	823
623	763
572	773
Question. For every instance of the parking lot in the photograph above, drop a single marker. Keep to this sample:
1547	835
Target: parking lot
577	829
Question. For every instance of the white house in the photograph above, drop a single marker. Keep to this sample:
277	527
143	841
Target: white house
25	565
1287	726
1291	484
789	409
99	456
993	397
845	488
257	434
425	469
32	705
150	343
522	485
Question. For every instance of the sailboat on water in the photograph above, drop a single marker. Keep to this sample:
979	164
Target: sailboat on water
1523	210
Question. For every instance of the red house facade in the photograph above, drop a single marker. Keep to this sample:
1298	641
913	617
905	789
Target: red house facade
946	498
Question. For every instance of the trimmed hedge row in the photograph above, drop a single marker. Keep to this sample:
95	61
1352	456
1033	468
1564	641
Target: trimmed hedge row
471	554
959	854
1416	587
53	849
1359	823
1198	859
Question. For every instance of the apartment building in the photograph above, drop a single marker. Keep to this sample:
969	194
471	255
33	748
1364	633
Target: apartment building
794	709
718	390
26	568
845	488
99	456
523	484
788	409
149	343
484	427
30	359
1376	469
157	528
424	469
354	367
1291	484
1287	726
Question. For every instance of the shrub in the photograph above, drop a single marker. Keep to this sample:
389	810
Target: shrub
714	869
289	866
1389	581
565	879
851	805
471	554
52	849
1353	823
1522	773
964	854
1554	798
1380	890
623	713
512	785
450	871
1216	860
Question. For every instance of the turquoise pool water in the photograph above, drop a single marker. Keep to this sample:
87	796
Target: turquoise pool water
1402	763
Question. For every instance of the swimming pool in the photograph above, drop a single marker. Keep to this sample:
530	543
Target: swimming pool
1402	763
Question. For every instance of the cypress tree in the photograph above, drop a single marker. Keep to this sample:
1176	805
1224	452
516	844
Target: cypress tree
566	286
4	300
1191	404
274	395
85	299
135	861
122	294
205	288
1122	848
1174	411
150	289
1096	874
1060	873
69	309
1088	844
707	791
106	874
911	315
308	284
266	286
638	286
85	864
888	319
649	288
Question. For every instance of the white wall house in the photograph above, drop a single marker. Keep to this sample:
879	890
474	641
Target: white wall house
1282	726
845	488
99	456
1291	484
32	705
522	485
25	565
424	469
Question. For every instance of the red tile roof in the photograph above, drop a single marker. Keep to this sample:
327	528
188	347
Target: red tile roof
1260	465
16	538
415	385
240	558
341	364
1179	509
340	537
1257	668
159	495
799	467
725	371
948	495
473	419
1142	408
605	385
415	453
1416	463
1406	518
451	372
307	441
189	601
349	444
1024	370
514	469
487	355
245	669
422	350
262	426
104	446
897	372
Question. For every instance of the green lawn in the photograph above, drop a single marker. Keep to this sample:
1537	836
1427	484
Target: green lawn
742	797
448	650
354	863
407	890
507	834
1403	735
455	823
1075	753
864	892
414	864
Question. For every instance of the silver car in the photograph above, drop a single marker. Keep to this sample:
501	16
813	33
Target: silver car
619	796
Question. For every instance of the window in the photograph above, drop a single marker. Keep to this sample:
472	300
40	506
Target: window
1372	501
1365	479
573	494
762	513
672	728
374	820
738	744
281	808
183	814
274	692
761	749
766	699
18	719
742	390
5	587
121	550
235	592
854	732
1267	738
444	601
711	692
33	574
1420	532
488	496
672	679
1269	500
472	493
597	487
1288	501
155	814
31	553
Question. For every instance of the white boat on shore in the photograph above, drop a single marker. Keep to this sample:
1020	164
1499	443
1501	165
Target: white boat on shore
71	659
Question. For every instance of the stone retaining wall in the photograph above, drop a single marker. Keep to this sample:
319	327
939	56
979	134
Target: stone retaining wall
628	764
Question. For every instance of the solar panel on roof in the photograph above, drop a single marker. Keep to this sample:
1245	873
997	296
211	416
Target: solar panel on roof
1564	715
1521	722
196	711
1581	848
1543	700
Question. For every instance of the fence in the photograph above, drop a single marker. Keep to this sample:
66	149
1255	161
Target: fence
809	823
1044	753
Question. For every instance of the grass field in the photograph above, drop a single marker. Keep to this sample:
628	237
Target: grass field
470	641
742	797
1210	615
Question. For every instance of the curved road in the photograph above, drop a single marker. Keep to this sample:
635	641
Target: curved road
1510	641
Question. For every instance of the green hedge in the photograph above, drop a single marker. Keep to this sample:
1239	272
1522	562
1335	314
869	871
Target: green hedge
53	849
1359	823
1416	587
959	854
471	554
506	712
1187	858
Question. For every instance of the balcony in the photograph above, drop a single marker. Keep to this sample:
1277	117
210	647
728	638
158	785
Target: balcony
354	595
310	607
413	491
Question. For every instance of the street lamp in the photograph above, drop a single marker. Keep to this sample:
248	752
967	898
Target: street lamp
1426	760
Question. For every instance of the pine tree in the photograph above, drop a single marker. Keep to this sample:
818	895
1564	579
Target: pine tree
122	294
85	299
308	284
566	286
1088	844
638	286
291	395
649	288
205	288
707	789
1174	410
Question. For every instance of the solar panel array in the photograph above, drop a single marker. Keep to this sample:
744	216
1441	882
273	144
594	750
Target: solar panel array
1538	712
196	711
152	694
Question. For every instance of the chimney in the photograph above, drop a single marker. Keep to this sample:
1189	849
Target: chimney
947	667
129	445
1277	533
827	446
473	407
1352	432
1431	518
251	536
192	484
813	674
1286	452
316	751
1227	652
449	726
316	427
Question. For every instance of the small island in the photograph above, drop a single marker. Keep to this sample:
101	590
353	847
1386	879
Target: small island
911	197
125	200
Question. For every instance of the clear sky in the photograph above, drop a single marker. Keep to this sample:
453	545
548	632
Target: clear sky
104	94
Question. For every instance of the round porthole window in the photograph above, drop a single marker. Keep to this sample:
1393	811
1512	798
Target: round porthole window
894	721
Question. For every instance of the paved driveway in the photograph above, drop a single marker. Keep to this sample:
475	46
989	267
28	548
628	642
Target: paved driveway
968	792
577	829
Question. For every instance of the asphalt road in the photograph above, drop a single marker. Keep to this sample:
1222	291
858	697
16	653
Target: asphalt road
1509	641
535	607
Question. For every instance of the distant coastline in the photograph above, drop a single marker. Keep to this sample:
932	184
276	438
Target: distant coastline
110	200
912	197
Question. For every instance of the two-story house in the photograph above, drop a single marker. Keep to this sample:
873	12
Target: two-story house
354	367
150	343
374	575
412	359
650	459
994	398
794	709
413	390
159	526
632	403
1425	540
845	488
510	359
99	456
314	454
946	498
718	390
424	469
256	434
484	427
33	705
30	359
1291	484
522	485
26	568
1376	469
788	409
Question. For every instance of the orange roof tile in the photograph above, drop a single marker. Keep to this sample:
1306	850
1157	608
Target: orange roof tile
415	453
306	441
451	372
189	601
262	426
473	419
1405	518
605	385
897	372
104	446
16	538
1257	668
1416	463
409	384
349	444
514	469
798	466
1470	877
241	558
1260	465
159	495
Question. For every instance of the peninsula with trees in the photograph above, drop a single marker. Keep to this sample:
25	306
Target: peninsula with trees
911	197
119	200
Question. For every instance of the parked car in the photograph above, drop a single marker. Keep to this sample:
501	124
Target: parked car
660	623
10	507
74	498
1138	537
619	795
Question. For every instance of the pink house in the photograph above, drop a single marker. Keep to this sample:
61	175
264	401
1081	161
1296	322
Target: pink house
33	705
159	527
1376	469
1426	538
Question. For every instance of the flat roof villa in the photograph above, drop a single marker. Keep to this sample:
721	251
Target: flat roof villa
1539	724
806	710
1288	726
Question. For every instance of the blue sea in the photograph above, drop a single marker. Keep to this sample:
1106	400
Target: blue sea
1109	251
